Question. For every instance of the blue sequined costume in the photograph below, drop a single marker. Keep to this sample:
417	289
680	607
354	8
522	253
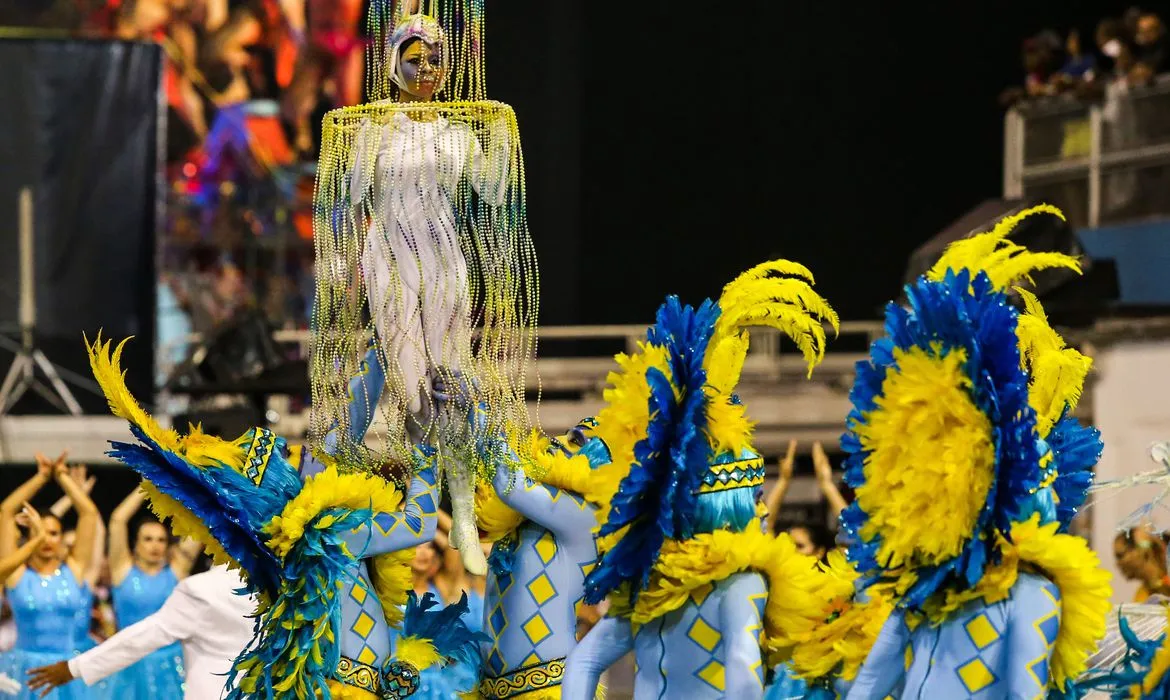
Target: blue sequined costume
46	609
159	675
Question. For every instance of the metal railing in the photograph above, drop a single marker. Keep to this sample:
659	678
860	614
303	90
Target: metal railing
784	402
1103	163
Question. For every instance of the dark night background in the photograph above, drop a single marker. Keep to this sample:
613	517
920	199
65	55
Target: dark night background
669	147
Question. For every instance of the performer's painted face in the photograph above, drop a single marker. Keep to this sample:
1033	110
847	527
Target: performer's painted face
422	69
580	440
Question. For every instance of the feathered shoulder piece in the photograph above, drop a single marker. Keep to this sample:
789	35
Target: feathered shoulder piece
946	441
245	502
671	415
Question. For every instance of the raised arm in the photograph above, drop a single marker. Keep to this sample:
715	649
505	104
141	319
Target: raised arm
11	505
183	556
741	618
824	470
564	514
885	666
608	641
120	555
776	495
489	170
409	527
88	518
365	388
1034	624
360	179
36	536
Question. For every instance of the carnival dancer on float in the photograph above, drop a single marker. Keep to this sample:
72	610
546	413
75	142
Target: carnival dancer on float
967	469
427	231
705	599
327	555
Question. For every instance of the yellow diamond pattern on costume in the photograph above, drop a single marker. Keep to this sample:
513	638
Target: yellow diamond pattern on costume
698	595
981	631
358	593
363	625
909	656
975	675
704	635
532	660
367	655
536	629
541	589
712	674
546	547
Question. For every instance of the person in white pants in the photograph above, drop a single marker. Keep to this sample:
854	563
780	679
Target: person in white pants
204	613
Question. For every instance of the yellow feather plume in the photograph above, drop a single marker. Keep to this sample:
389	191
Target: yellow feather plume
1005	262
392	578
197	447
684	567
493	517
756	298
932	460
417	652
626	415
341	691
107	370
1056	373
840	643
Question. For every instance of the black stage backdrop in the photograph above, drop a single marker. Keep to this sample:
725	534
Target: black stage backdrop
80	125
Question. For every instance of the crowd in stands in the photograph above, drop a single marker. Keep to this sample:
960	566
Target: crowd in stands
246	83
1130	50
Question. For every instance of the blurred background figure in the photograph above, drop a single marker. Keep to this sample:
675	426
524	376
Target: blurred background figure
1141	557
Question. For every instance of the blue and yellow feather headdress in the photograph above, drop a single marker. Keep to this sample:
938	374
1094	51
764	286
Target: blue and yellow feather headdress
961	423
673	417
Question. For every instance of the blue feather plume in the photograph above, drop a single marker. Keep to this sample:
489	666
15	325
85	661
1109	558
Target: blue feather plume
1076	450
444	628
290	627
657	499
227	502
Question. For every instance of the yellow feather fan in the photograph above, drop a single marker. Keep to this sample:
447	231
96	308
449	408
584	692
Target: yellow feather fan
1005	262
1056	372
760	298
197	447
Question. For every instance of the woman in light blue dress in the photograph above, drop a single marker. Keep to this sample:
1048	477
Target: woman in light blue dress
47	590
143	576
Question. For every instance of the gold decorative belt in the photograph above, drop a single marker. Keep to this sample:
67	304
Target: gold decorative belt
358	675
522	681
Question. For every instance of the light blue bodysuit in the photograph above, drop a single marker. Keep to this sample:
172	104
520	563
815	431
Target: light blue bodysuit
982	651
536	580
708	648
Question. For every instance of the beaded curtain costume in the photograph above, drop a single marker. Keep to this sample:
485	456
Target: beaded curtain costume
325	549
967	468
423	247
705	599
